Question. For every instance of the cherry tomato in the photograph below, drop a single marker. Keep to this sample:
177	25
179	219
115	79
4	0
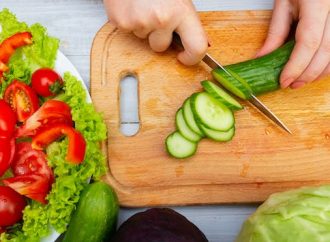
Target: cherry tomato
52	111
11	206
7	120
46	82
32	186
49	134
7	152
2	230
22	99
28	161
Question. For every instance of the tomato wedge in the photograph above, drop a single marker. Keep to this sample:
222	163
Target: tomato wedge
7	120
33	186
8	47
51	133
28	161
51	112
7	152
22	99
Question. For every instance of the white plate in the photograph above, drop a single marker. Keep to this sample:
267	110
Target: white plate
63	65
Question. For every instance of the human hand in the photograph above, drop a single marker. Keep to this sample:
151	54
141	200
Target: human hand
157	20
310	58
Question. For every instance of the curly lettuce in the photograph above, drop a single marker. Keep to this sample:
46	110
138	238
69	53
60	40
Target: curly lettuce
70	179
42	53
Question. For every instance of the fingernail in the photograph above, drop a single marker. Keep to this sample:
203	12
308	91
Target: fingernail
297	84
287	82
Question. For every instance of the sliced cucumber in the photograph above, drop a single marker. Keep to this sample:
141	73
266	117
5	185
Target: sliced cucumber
184	129
190	119
179	147
211	113
221	95
219	135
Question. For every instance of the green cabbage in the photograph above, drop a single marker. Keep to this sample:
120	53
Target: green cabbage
70	179
301	215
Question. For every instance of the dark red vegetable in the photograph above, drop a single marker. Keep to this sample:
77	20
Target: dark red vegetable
7	120
46	82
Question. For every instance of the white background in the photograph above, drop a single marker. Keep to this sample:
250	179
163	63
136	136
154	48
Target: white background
75	22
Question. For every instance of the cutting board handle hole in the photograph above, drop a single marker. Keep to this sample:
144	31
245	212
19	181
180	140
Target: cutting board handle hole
129	106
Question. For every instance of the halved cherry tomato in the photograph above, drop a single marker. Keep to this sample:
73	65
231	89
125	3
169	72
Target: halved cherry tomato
46	82
7	152
7	120
51	133
28	161
11	207
22	99
32	186
51	112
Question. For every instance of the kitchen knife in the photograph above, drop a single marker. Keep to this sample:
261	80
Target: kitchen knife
213	64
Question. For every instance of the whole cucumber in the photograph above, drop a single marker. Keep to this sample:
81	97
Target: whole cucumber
96	215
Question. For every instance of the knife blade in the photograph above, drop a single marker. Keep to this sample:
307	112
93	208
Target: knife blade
214	64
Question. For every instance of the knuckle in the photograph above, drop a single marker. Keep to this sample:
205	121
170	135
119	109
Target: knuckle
162	19
312	43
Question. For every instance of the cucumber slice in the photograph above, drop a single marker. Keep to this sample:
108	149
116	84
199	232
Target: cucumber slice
190	119
179	147
211	113
235	85
221	95
184	129
219	135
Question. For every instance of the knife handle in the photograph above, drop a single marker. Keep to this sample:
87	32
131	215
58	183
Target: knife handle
176	41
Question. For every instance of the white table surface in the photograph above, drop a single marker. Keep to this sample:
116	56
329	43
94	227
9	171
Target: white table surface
75	22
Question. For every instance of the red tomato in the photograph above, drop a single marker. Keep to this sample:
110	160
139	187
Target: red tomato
28	161
2	230
52	111
46	82
33	186
22	99
7	120
7	152
11	206
49	134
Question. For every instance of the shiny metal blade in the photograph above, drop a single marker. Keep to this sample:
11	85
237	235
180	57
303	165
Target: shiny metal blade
266	111
213	64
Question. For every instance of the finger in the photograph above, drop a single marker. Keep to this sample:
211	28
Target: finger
324	74
142	33
279	27
308	38
194	40
321	59
160	40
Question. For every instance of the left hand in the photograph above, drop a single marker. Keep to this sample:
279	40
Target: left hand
310	58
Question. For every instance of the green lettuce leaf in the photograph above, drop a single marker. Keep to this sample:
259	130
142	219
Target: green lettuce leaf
27	59
301	215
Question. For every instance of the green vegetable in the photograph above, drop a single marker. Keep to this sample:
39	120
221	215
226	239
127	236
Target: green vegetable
158	225
96	215
180	147
70	180
184	129
261	74
301	215
27	59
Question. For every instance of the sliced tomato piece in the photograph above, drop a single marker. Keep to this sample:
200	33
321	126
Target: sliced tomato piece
51	133
8	47
7	120
28	161
7	152
22	99
40	197
51	112
30	186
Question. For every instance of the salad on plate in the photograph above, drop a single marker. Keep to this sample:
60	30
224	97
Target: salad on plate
50	134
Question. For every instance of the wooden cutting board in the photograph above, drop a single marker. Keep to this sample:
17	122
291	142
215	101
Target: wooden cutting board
260	160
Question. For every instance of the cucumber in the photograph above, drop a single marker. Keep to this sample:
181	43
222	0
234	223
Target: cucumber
190	119
211	113
184	129
219	135
221	95
180	147
96	215
261	74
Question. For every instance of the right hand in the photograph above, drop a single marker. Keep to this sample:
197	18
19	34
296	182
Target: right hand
157	20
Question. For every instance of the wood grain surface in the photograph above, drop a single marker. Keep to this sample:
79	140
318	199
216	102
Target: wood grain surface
260	160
